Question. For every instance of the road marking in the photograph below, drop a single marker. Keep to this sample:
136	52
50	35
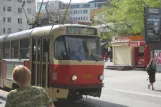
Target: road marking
133	92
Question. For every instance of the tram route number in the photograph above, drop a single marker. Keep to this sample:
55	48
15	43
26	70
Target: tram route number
87	76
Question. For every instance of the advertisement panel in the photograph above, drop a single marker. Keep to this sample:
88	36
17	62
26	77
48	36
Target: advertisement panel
152	25
157	59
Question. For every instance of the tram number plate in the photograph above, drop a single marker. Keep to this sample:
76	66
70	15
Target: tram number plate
87	76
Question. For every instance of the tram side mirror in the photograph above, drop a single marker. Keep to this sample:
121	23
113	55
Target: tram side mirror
45	46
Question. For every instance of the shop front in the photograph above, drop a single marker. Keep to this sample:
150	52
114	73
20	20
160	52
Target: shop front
130	51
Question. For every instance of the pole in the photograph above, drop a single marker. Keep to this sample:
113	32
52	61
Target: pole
153	50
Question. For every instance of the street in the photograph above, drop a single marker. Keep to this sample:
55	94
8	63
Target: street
129	89
121	89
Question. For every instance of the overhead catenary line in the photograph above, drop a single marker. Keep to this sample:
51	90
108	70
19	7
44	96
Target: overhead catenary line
66	11
48	11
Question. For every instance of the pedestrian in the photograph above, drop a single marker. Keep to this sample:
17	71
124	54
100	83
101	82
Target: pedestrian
151	70
106	56
26	95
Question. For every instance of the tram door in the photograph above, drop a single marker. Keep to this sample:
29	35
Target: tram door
40	61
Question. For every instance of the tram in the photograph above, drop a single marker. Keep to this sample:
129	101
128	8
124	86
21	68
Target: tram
63	59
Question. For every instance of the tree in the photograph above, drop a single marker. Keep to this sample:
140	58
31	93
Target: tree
127	16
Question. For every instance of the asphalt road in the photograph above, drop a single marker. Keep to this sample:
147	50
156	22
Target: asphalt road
129	89
122	89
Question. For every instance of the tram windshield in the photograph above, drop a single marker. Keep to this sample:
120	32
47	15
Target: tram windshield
77	48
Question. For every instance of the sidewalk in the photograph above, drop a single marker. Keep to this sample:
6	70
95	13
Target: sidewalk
110	65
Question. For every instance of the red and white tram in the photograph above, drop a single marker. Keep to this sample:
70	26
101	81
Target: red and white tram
64	59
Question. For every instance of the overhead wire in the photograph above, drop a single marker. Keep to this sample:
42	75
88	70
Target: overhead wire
38	14
66	11
48	11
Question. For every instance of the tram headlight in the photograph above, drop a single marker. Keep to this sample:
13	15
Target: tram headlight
101	77
74	77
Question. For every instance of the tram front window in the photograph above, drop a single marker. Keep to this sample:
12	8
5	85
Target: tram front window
77	48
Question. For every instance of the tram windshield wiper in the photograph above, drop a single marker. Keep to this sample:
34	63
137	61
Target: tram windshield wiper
95	58
78	58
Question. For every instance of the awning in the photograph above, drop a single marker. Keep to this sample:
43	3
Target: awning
136	43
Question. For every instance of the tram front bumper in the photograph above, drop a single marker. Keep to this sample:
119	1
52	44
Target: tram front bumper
78	86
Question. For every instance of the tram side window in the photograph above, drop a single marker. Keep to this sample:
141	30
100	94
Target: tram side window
6	50
15	49
24	48
60	48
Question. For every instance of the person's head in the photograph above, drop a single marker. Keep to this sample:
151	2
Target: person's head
21	75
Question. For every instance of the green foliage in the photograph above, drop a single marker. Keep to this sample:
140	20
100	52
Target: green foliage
106	35
127	16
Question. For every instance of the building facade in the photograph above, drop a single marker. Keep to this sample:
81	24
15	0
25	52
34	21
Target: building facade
78	12
81	12
51	5
55	9
12	16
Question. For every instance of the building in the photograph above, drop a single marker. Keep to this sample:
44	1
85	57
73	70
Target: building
130	51
51	5
78	12
83	12
12	15
54	11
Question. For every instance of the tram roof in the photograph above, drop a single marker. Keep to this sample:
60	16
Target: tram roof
41	31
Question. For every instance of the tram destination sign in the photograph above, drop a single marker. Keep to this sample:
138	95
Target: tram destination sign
152	25
81	30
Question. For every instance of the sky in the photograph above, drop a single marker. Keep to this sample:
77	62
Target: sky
67	1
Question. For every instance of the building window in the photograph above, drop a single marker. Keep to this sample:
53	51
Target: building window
4	19
9	30
19	20
9	19
4	8
19	29
19	0
9	9
29	1
19	10
4	30
29	11
85	11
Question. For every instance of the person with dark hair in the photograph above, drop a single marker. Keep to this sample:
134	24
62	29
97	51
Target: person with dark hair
26	95
151	70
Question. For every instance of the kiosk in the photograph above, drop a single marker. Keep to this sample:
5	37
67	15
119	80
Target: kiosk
130	51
